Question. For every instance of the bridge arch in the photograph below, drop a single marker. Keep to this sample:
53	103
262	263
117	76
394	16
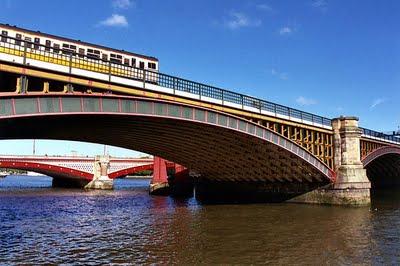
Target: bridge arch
130	171
47	169
217	145
383	167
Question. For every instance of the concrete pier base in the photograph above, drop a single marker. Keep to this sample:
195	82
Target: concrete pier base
159	189
103	183
336	196
351	187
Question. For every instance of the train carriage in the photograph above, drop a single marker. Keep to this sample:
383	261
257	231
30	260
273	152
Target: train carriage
57	53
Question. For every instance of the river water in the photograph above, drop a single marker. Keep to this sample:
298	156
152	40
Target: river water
43	225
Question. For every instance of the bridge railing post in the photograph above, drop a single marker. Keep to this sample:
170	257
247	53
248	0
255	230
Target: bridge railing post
175	87
144	78
109	72
70	64
25	52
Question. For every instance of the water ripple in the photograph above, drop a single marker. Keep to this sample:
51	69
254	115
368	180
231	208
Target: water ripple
41	225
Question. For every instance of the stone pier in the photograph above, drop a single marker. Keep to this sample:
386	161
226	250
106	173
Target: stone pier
351	186
100	175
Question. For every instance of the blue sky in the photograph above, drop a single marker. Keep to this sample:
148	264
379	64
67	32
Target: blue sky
328	57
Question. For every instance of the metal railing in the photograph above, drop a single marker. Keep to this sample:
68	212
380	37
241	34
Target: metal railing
31	50
380	135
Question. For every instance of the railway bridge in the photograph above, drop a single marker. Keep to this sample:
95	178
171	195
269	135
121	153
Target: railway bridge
235	146
85	171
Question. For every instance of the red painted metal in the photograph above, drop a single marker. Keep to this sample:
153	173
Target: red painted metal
181	173
46	169
136	169
380	152
159	171
130	171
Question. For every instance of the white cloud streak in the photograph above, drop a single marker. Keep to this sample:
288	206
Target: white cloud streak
264	7
377	102
303	101
239	20
115	21
122	4
285	30
320	4
280	75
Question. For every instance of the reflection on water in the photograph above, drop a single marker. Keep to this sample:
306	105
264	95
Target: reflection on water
39	224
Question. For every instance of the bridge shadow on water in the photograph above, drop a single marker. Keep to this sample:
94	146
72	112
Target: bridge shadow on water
380	197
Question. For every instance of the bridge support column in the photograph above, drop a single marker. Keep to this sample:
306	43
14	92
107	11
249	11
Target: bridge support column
181	183
22	85
100	175
352	186
159	184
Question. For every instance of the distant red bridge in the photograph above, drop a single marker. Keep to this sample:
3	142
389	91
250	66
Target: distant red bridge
73	167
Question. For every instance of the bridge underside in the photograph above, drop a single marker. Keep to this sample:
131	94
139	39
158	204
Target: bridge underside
384	171
221	148
219	155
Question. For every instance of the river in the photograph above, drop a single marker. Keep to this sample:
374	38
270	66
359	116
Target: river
44	225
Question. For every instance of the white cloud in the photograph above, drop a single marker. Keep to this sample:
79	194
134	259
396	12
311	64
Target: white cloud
285	30
280	75
264	7
123	4
239	20
377	102
305	101
115	21
320	4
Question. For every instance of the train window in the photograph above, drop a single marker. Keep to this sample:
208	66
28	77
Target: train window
68	48
28	42
151	65
18	38
126	61
94	54
116	58
48	45
133	62
81	52
104	57
141	65
4	34
56	48
37	42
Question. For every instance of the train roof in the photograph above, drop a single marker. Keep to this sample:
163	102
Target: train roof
76	41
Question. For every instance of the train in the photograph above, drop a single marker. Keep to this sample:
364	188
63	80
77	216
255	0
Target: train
84	55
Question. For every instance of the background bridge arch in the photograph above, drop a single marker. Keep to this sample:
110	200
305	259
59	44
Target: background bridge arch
383	166
47	169
217	145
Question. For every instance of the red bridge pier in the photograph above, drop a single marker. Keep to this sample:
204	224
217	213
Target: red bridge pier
180	184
